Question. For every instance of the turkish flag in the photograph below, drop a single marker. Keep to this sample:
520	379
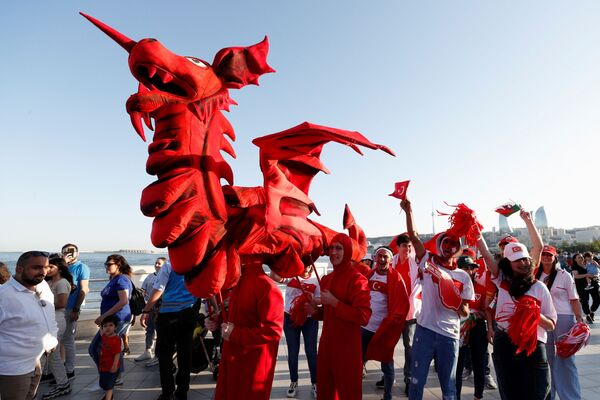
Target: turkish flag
400	189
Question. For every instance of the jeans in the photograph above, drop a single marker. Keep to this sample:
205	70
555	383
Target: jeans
175	329
150	328
426	344
55	363
309	331
386	368
521	377
408	334
565	381
69	342
476	350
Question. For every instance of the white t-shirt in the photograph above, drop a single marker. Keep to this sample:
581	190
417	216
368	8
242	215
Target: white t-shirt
414	297
505	304
379	300
27	326
434	315
310	285
563	290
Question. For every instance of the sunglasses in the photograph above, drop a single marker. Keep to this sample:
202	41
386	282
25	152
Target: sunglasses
41	302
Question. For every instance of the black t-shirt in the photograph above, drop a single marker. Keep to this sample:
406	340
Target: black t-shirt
579	283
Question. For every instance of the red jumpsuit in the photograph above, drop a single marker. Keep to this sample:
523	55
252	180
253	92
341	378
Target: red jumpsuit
339	362
248	360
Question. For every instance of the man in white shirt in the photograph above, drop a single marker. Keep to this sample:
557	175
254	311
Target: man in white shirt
27	326
447	291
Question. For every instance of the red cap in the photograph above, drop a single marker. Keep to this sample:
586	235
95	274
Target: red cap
549	249
507	239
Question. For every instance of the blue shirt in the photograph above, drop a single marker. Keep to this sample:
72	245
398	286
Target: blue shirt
175	296
110	296
80	272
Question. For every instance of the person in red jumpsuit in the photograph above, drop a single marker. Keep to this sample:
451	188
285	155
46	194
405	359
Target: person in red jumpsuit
345	299
251	337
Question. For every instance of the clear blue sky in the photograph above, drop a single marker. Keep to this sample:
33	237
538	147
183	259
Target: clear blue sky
482	102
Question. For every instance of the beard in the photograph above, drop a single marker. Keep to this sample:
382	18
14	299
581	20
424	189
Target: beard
32	281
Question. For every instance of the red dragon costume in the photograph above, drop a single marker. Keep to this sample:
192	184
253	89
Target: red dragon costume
211	229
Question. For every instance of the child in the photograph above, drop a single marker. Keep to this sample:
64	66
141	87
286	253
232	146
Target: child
110	351
592	268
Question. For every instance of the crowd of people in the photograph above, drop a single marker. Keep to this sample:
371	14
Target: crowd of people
445	300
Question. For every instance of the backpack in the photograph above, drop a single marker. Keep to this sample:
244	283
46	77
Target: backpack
136	301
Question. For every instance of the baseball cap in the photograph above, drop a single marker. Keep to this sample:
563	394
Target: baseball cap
549	249
507	239
515	251
466	262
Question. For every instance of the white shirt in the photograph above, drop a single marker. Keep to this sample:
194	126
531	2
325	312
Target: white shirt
414	297
563	290
379	301
434	315
505	305
310	285
27	329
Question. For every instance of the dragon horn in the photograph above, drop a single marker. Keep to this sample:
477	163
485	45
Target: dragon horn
115	35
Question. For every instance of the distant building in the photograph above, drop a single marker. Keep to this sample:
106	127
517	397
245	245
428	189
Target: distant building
540	219
587	235
503	224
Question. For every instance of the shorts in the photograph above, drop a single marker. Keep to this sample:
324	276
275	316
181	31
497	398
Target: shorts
107	380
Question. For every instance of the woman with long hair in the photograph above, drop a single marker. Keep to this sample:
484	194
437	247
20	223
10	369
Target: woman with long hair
60	281
115	300
565	381
581	275
524	314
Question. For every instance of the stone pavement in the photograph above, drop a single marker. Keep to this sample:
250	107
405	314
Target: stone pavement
141	382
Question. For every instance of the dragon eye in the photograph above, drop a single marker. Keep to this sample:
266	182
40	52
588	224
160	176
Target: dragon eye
198	62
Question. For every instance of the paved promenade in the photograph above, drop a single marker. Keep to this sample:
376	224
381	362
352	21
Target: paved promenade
141	382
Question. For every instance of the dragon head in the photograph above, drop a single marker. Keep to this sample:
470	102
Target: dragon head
168	78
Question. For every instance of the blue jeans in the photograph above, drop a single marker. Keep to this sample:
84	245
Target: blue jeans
426	344
150	330
408	335
386	368
520	377
565	380
309	331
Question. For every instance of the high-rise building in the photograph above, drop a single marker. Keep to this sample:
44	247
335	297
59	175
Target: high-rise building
503	224
540	219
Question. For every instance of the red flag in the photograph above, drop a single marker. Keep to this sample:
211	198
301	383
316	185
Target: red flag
508	209
400	189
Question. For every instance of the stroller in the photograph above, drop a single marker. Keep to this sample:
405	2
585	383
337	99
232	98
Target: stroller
205	350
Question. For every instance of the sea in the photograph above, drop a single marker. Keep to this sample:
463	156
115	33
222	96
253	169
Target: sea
141	263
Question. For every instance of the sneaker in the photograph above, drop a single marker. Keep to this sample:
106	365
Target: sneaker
126	351
292	390
119	382
592	317
490	383
71	375
152	362
313	390
589	319
380	384
466	374
59	390
147	355
47	378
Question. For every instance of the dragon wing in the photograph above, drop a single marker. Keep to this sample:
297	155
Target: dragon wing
289	161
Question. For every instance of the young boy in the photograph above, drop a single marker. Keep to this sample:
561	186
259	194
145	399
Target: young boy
110	351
